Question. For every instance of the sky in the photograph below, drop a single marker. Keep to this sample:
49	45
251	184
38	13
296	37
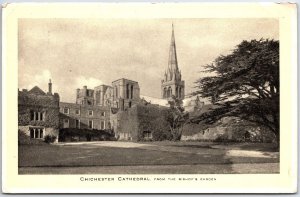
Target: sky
77	52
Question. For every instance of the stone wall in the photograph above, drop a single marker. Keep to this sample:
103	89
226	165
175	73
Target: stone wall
227	129
131	124
126	124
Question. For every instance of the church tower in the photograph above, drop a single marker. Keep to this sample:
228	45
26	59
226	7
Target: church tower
172	83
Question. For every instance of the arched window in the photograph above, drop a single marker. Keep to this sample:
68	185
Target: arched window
116	93
169	92
165	93
179	96
131	92
127	91
176	92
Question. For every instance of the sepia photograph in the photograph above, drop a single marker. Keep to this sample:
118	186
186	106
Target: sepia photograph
183	96
117	95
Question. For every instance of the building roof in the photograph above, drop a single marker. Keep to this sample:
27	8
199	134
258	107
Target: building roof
124	79
157	101
36	90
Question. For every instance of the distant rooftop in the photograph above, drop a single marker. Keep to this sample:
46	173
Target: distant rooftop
157	101
124	79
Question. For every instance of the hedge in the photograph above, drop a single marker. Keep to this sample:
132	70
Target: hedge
88	133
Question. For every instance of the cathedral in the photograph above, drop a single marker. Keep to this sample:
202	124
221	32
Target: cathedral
172	83
117	107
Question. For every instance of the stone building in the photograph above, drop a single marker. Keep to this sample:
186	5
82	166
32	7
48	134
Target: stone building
172	84
92	107
85	96
135	123
125	93
38	112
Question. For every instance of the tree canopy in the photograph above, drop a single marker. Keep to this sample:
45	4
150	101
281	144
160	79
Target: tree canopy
245	84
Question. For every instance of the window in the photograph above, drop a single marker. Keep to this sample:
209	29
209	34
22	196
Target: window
102	113
116	94
129	104
77	111
41	133
32	115
66	110
179	93
147	135
102	125
89	93
127	91
131	92
37	116
36	133
66	123
77	124
90	124
31	133
90	112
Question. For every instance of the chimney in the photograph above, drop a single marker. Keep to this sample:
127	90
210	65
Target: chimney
50	87
84	90
77	92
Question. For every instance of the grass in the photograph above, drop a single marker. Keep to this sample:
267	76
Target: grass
269	147
163	153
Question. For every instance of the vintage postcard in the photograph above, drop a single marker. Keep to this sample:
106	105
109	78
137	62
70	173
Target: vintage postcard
149	98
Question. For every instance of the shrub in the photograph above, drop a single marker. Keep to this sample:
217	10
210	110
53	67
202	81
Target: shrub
49	139
90	134
24	139
160	130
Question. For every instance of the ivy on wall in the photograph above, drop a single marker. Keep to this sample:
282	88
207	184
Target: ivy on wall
38	103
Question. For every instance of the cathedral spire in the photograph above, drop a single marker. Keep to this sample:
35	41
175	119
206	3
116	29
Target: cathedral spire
172	83
173	64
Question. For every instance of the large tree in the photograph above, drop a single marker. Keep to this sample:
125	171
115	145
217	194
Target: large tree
176	117
245	84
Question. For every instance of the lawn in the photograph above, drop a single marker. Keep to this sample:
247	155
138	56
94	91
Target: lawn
158	153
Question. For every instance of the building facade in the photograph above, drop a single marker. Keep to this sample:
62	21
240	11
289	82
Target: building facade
84	116
38	112
172	84
93	107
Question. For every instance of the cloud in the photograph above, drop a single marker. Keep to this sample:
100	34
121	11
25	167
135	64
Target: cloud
40	80
98	51
90	82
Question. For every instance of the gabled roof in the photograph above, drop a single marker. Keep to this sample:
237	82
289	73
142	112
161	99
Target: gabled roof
36	90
